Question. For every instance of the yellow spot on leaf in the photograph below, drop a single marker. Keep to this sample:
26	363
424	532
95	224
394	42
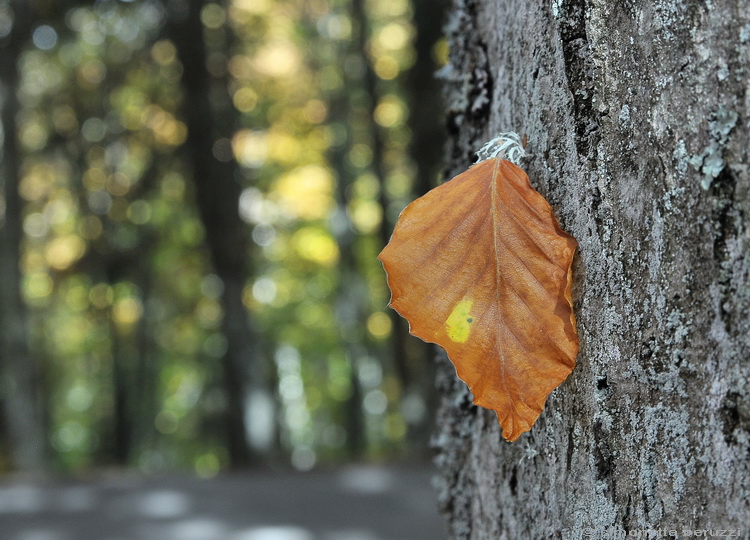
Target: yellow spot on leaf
458	324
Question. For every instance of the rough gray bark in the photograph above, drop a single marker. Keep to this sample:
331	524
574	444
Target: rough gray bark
629	107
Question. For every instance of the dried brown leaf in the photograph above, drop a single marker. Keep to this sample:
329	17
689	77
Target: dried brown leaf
481	267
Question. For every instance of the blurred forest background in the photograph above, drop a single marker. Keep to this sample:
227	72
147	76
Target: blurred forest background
194	194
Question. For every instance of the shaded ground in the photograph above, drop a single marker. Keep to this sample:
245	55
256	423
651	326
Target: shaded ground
355	503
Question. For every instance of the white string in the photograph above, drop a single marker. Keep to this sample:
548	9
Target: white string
504	146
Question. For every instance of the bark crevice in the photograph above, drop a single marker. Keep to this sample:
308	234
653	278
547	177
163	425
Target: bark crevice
579	70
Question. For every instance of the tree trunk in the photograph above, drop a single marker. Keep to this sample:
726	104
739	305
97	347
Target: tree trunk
210	119
637	120
19	389
348	294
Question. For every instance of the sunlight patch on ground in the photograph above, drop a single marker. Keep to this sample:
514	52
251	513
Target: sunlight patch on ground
365	480
21	499
163	504
42	534
280	532
351	534
193	529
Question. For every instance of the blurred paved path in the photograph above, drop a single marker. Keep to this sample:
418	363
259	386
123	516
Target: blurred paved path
355	503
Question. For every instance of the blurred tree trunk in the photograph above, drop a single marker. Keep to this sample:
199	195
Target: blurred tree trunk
349	310
209	115
350	293
639	131
124	387
408	357
426	116
19	375
369	83
134	373
426	148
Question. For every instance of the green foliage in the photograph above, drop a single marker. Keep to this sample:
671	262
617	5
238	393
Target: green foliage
116	268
